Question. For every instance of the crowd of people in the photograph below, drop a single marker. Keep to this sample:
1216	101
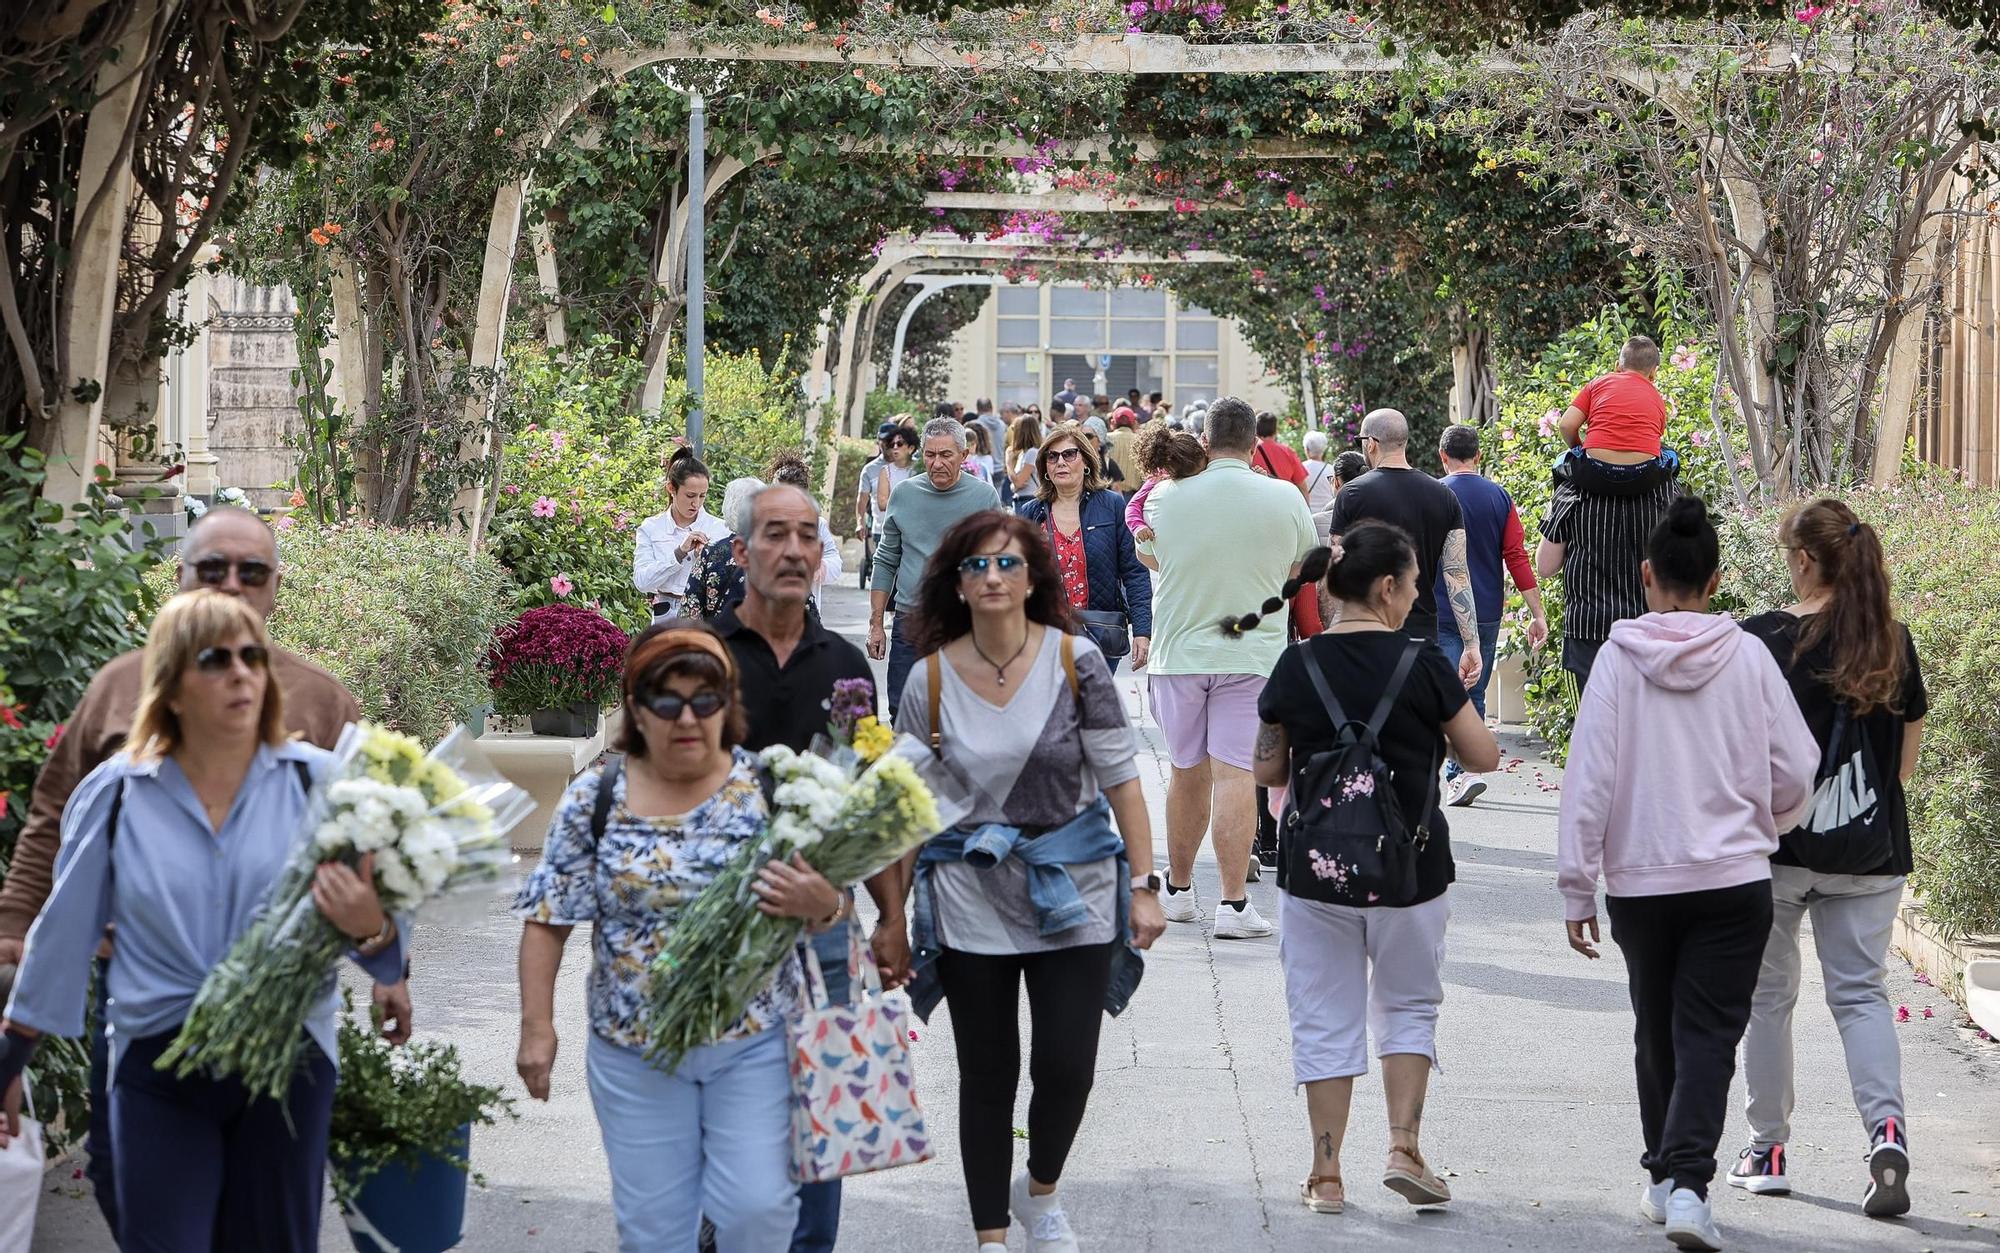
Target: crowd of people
1725	781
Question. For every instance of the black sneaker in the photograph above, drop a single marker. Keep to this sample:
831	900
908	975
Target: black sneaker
1761	1171
1268	855
1888	1172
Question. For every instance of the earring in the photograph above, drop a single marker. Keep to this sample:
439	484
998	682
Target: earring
961	598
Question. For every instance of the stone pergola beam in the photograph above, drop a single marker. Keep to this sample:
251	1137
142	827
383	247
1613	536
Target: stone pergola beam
1061	202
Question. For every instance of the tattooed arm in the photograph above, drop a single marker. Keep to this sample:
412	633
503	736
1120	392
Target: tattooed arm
1270	761
1458	584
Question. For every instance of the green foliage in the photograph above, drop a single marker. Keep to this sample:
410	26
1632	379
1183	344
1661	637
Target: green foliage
399	1105
1522	446
853	454
885	406
580	473
402	618
1940	537
67	606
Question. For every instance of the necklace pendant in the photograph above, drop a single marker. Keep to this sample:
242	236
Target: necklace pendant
1002	678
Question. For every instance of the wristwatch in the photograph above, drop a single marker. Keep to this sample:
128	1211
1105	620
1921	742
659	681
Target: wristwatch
1146	883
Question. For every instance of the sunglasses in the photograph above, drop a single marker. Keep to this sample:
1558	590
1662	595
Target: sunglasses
1066	454
250	572
216	659
1006	563
668	705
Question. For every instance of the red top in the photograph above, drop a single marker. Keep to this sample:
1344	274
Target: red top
1278	461
1623	412
1514	551
1070	561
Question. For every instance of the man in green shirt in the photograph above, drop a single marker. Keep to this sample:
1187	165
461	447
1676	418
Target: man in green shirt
921	509
1225	540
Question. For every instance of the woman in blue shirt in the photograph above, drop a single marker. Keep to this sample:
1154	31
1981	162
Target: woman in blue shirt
173	843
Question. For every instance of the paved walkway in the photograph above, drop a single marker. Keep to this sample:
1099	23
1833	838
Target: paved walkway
1196	1140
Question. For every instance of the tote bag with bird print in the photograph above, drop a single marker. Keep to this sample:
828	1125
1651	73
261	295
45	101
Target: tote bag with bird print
854	1099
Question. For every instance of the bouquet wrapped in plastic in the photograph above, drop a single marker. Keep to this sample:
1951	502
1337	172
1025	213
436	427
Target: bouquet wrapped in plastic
851	809
434	821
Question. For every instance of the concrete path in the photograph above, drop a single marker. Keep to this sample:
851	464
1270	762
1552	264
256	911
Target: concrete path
1196	1140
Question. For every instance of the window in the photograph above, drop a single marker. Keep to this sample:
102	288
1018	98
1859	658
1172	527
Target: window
1075	302
1195	335
1076	333
1140	335
1021	302
1020	333
1137	302
1195	372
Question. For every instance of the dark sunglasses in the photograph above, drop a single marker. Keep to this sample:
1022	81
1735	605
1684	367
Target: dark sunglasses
1006	563
250	572
668	705
1066	454
215	659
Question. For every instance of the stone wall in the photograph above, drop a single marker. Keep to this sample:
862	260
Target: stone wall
253	417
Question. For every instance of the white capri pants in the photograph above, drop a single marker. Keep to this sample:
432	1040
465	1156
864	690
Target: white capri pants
1337	959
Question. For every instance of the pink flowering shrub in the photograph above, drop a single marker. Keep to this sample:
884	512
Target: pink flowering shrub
555	656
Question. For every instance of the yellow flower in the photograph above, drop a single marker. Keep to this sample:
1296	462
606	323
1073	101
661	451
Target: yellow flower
872	739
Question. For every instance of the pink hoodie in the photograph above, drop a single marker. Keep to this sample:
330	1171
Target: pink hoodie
1688	758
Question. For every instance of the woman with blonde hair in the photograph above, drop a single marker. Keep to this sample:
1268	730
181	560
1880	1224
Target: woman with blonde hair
173	842
1024	447
1853	670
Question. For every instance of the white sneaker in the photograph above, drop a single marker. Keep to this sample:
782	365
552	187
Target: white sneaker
1690	1224
1465	789
1653	1200
1240	924
1180	906
1256	871
1048	1226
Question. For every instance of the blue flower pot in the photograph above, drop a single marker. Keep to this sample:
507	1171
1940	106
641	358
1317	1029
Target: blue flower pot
417	1209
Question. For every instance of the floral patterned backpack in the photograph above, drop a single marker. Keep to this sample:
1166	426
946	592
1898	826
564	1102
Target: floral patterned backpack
854	1099
1345	839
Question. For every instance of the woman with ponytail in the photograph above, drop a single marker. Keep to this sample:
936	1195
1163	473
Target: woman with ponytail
1853	669
1353	962
1688	758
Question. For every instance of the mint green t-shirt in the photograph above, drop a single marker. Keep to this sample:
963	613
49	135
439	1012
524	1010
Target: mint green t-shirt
1226	541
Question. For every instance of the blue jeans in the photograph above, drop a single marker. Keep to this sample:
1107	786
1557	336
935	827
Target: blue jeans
902	658
713	1137
1454	649
819	1203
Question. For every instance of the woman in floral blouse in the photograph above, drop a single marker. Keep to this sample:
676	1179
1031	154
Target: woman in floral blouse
1084	522
712	1137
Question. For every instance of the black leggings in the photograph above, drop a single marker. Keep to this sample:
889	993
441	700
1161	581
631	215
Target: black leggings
1065	1008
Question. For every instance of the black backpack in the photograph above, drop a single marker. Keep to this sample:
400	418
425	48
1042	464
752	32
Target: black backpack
1850	830
1346	840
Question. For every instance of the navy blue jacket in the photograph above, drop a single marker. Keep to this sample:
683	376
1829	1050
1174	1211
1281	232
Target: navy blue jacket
1117	580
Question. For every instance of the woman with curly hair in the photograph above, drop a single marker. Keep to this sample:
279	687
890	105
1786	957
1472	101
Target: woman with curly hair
1036	885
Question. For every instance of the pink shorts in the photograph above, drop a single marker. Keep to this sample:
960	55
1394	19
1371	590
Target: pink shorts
1207	716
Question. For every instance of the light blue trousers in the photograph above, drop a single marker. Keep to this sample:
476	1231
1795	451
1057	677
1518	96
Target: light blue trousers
713	1137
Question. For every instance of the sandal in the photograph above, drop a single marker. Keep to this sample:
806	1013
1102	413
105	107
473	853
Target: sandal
1317	1203
1418	1187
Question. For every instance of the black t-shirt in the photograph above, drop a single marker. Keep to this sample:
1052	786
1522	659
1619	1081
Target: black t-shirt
1780	632
1357	667
1424	508
789	706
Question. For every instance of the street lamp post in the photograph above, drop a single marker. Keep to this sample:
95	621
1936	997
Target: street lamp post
697	333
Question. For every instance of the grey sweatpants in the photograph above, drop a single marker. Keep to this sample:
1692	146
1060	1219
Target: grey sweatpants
1852	916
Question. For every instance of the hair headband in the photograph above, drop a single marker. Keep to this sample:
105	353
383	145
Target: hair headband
673	640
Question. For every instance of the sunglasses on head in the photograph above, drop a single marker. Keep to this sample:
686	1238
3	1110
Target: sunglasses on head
216	658
668	705
250	572
1005	563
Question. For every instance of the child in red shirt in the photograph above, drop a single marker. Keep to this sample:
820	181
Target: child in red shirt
1614	428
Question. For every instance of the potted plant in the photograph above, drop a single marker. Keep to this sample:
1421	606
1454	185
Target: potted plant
560	665
400	1145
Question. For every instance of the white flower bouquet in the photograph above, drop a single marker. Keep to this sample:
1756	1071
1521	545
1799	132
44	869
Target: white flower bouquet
434	821
849	821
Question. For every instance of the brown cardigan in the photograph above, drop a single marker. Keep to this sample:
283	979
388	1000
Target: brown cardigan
317	707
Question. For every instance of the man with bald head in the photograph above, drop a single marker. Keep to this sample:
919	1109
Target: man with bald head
1429	513
231	551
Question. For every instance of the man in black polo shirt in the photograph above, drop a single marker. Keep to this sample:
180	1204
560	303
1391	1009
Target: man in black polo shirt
788	665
